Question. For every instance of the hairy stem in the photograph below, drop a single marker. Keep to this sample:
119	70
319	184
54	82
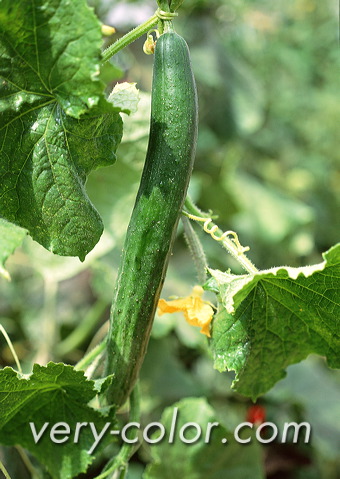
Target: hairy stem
196	250
161	16
130	37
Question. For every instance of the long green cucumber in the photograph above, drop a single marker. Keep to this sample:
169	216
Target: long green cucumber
152	227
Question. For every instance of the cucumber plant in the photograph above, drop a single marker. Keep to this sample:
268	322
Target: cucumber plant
57	125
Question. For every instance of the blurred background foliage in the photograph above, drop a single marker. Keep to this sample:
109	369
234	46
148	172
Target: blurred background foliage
267	164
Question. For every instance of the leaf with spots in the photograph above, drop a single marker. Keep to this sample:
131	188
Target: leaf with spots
275	318
55	123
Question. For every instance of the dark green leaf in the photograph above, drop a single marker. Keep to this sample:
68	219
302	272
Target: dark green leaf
56	125
275	318
52	394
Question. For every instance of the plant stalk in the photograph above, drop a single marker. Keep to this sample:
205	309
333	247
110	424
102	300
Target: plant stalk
129	37
120	462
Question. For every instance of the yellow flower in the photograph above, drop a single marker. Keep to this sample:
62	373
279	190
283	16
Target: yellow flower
196	311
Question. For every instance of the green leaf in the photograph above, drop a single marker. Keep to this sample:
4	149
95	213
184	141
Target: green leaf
56	125
11	237
52	394
275	318
215	459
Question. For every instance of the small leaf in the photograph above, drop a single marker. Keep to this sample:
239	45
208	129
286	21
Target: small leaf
52	394
11	237
275	318
125	96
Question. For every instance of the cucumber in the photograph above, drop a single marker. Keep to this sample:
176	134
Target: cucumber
153	224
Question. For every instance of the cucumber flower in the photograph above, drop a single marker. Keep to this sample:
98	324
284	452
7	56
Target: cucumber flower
196	311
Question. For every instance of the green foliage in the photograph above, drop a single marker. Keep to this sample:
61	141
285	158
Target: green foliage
52	394
275	318
56	124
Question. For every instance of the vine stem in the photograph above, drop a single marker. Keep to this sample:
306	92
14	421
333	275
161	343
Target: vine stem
120	462
129	37
91	356
11	347
80	333
142	29
4	471
25	459
232	246
196	250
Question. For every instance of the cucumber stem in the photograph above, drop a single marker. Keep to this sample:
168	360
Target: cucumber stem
130	37
120	462
163	17
196	250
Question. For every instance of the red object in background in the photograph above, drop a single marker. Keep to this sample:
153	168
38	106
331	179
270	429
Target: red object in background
256	414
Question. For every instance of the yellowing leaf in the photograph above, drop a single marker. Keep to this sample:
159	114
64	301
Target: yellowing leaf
196	311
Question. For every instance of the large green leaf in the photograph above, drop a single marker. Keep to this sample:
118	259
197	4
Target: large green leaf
52	394
213	456
56	125
275	318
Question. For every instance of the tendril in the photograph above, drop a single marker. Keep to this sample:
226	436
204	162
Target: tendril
240	249
162	15
232	245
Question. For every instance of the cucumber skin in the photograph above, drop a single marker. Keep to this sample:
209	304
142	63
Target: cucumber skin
153	224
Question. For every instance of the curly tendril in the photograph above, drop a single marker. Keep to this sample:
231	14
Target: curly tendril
232	245
162	15
240	249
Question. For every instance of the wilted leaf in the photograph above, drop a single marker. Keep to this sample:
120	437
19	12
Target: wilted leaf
125	96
